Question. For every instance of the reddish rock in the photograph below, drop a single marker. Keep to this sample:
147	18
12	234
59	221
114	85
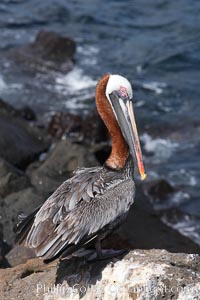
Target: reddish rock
65	123
89	129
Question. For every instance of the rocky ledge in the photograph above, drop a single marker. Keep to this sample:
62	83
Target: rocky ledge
141	274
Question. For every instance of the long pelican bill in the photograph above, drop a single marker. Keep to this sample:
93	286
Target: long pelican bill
138	152
123	109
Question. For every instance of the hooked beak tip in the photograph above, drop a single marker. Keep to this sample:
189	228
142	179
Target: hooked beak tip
143	176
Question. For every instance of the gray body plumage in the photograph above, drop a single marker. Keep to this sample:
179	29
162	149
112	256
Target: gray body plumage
90	204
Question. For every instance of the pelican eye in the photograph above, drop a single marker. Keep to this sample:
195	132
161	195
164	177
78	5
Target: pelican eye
123	93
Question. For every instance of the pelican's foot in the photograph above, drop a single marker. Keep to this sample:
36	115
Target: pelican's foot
106	254
82	252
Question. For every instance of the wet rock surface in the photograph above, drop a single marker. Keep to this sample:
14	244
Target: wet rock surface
141	274
49	51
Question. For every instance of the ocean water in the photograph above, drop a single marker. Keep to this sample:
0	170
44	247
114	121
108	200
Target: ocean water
156	44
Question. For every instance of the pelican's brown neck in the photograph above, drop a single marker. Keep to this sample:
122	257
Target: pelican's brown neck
120	149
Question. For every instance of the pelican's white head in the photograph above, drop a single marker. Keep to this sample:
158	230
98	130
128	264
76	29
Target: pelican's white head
118	83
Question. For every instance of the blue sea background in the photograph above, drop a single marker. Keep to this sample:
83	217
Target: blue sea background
156	45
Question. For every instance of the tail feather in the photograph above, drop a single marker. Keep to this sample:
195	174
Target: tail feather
24	226
70	249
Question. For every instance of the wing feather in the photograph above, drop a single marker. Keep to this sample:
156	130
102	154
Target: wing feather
78	209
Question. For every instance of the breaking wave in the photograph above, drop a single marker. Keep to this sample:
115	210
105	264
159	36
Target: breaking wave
188	226
77	87
160	148
75	81
3	85
154	86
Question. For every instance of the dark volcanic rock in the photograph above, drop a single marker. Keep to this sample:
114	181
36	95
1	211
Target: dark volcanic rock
24	201
143	229
51	46
19	143
11	179
4	248
87	129
159	188
25	112
7	108
49	51
59	165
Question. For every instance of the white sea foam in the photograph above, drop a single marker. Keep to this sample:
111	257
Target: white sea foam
3	85
75	81
182	176
88	50
139	68
7	87
173	201
89	54
79	102
139	103
161	149
188	226
155	86
76	87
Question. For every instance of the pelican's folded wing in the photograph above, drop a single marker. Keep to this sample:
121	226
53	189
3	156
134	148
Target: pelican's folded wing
78	209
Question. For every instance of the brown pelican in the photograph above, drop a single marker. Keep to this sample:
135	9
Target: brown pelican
91	204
